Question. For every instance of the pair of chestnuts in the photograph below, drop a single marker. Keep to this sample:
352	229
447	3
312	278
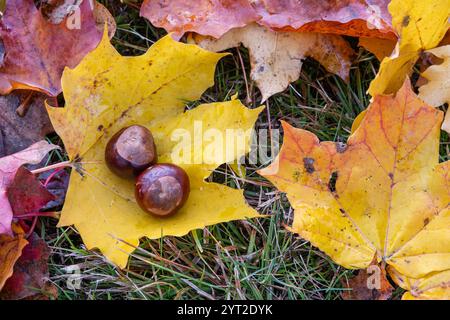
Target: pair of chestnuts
160	189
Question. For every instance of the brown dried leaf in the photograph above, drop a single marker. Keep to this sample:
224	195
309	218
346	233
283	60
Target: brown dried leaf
369	284
16	132
276	57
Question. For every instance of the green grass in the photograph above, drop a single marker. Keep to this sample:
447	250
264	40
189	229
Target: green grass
255	259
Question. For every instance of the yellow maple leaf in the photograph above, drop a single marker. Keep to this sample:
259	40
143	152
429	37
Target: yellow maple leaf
420	25
437	91
107	92
382	195
431	287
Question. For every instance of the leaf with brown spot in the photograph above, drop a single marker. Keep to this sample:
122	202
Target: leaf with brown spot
276	57
19	132
391	195
421	25
36	51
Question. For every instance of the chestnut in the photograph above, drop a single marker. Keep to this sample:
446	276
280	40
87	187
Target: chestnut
130	151
162	189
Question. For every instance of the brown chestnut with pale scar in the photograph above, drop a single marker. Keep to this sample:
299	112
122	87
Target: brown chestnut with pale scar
130	151
162	189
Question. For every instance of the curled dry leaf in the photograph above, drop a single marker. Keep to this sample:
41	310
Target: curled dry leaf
368	284
18	132
431	287
217	17
384	194
107	92
11	247
8	168
421	25
276	57
36	51
437	91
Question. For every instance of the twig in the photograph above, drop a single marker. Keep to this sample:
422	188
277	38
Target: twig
33	225
36	214
22	109
247	99
51	176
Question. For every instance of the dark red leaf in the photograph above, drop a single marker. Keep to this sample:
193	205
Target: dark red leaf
30	277
26	194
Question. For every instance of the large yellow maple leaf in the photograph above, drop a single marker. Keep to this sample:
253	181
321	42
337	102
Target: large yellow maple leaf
382	195
420	25
107	92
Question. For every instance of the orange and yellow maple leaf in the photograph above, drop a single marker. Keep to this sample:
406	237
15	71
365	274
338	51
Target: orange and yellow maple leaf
383	195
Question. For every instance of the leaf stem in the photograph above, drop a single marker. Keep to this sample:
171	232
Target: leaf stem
63	164
36	214
248	99
22	109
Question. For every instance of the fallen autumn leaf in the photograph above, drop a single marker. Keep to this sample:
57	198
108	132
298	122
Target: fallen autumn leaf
383	195
8	168
107	92
276	57
36	51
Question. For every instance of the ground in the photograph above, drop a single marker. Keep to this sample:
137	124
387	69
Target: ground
255	259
